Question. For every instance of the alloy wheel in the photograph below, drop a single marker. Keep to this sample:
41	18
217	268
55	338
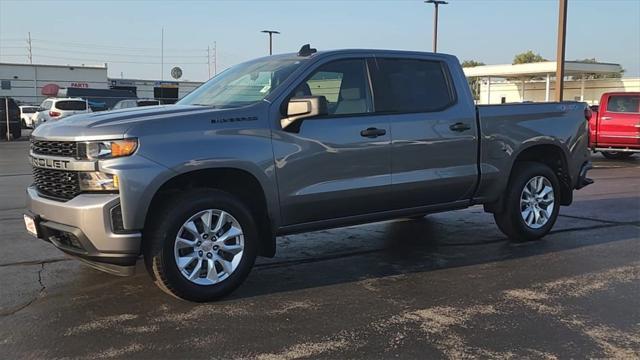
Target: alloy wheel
537	202
209	247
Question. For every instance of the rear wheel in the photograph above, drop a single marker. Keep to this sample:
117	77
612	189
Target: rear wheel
532	203
616	155
203	246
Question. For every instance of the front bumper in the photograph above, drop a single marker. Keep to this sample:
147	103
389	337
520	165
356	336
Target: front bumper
82	227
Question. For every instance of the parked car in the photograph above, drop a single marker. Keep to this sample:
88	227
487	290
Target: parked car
131	103
293	143
614	127
15	128
60	108
27	113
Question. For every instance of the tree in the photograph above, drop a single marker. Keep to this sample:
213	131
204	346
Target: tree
473	82
528	57
471	63
597	76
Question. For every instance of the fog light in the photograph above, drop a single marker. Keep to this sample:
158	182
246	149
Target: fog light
117	224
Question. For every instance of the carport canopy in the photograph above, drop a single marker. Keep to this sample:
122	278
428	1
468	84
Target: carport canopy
541	69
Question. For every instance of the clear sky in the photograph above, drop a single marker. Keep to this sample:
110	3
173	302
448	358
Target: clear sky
127	34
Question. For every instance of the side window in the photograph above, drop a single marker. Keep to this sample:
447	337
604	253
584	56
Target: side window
624	104
343	83
46	105
411	85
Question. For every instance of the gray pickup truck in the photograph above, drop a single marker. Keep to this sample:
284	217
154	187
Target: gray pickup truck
294	143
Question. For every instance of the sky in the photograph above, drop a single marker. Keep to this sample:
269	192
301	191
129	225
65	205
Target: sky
127	34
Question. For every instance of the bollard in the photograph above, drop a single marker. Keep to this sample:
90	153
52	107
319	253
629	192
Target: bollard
6	111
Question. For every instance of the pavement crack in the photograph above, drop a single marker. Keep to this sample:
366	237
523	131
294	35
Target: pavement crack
40	294
35	262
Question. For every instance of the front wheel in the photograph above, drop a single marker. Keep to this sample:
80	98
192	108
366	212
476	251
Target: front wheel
202	245
532	203
616	155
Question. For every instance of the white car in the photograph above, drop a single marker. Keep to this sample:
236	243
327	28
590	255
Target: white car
131	103
27	113
59	108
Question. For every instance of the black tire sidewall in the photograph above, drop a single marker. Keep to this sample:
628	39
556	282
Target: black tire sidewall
524	173
616	155
180	210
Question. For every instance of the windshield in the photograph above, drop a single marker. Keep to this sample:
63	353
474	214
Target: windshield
243	84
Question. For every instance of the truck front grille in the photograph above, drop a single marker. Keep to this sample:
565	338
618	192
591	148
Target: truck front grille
54	148
59	184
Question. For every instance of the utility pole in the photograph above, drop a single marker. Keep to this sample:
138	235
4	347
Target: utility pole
30	49
436	3
162	56
562	37
209	61
270	32
215	58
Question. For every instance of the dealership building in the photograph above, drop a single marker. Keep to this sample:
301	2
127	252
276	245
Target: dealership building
32	83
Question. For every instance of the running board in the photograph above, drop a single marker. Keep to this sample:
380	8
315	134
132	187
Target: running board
618	150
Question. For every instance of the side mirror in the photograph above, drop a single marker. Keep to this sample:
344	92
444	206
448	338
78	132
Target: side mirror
303	107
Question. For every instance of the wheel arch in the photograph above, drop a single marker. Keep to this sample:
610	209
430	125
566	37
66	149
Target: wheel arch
236	181
549	153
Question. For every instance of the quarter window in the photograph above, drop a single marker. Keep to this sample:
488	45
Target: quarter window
343	83
411	85
624	104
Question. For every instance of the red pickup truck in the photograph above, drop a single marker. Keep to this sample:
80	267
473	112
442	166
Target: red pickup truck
614	127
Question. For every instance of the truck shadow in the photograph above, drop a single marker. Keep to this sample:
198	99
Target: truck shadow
437	242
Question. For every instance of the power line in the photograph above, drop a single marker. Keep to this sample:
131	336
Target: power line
111	61
94	45
47	49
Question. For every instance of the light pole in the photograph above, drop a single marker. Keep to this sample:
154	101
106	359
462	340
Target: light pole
436	3
562	37
270	32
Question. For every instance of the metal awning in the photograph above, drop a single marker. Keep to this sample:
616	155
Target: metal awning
541	68
545	69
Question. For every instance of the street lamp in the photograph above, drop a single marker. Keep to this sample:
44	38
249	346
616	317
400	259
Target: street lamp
436	3
270	32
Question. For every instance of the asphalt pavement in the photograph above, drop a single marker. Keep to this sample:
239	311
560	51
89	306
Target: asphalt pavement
446	286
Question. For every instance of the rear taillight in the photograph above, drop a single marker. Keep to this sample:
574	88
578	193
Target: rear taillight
54	113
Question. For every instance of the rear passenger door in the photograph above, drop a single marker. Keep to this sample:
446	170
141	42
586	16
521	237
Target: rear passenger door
434	138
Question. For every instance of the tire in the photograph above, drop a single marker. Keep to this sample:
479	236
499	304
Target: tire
24	123
512	220
16	133
616	155
160	245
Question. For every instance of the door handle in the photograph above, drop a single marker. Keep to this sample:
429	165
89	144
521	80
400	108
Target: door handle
460	127
605	118
372	132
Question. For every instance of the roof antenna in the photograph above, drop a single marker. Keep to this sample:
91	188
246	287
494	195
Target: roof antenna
306	50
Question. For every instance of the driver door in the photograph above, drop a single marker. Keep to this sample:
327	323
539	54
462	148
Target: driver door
339	164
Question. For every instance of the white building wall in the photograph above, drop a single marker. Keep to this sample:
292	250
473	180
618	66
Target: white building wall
535	90
26	80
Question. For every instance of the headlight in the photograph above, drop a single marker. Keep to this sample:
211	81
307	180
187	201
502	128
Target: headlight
98	181
96	150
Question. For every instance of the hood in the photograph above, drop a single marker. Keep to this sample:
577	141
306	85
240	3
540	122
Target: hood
111	124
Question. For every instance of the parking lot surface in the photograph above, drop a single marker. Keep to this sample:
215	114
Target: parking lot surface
447	286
